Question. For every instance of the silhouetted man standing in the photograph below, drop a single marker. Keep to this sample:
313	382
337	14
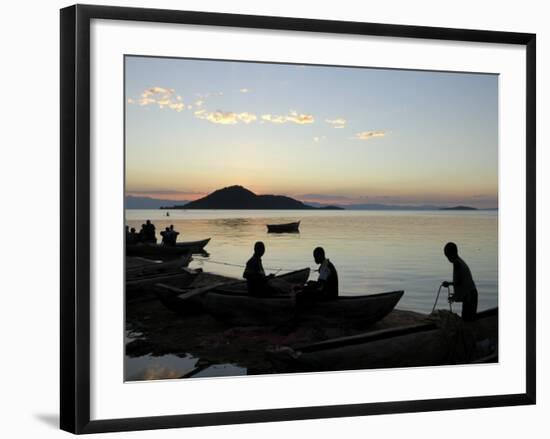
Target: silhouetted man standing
465	290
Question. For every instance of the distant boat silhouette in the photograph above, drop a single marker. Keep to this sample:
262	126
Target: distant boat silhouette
284	228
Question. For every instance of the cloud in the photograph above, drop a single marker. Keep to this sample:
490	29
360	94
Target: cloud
221	117
246	117
225	117
166	98
273	119
318	139
161	96
300	119
292	116
366	135
337	123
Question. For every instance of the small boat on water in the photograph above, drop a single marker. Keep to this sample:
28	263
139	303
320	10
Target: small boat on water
192	301
166	251
353	311
284	228
448	341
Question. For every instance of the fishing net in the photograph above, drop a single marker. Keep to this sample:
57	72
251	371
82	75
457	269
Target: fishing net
460	339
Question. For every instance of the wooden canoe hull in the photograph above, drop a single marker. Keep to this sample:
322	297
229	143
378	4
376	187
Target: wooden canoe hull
196	304
284	228
166	252
245	310
354	311
150	269
420	345
169	298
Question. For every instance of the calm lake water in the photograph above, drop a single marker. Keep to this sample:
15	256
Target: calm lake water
373	251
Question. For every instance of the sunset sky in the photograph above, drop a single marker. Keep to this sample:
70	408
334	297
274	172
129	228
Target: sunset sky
327	134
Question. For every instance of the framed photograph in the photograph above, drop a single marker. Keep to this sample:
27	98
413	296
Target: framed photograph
273	218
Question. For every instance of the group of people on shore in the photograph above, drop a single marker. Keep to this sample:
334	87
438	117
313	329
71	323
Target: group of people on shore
326	285
147	235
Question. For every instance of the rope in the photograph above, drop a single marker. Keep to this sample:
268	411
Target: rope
448	298
277	270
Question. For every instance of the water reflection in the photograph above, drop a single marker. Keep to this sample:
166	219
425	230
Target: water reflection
148	368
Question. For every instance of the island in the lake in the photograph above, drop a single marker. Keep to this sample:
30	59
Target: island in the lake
237	197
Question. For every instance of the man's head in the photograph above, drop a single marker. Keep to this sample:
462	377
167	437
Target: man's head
451	251
133	230
319	255
148	222
167	229
171	226
259	248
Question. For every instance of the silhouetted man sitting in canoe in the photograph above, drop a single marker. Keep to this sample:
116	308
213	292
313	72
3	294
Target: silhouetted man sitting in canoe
173	234
148	232
465	290
254	273
166	236
131	236
326	286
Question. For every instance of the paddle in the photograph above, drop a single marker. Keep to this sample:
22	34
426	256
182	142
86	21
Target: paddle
196	291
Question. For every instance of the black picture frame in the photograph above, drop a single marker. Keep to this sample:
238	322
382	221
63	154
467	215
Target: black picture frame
75	217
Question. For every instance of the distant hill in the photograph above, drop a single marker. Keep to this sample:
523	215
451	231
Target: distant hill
459	208
378	206
238	197
330	207
131	202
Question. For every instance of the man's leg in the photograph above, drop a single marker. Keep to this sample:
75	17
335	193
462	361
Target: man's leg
469	308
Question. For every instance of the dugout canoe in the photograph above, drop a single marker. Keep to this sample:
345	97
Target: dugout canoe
144	288
165	251
185	302
283	228
428	344
347	311
140	268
